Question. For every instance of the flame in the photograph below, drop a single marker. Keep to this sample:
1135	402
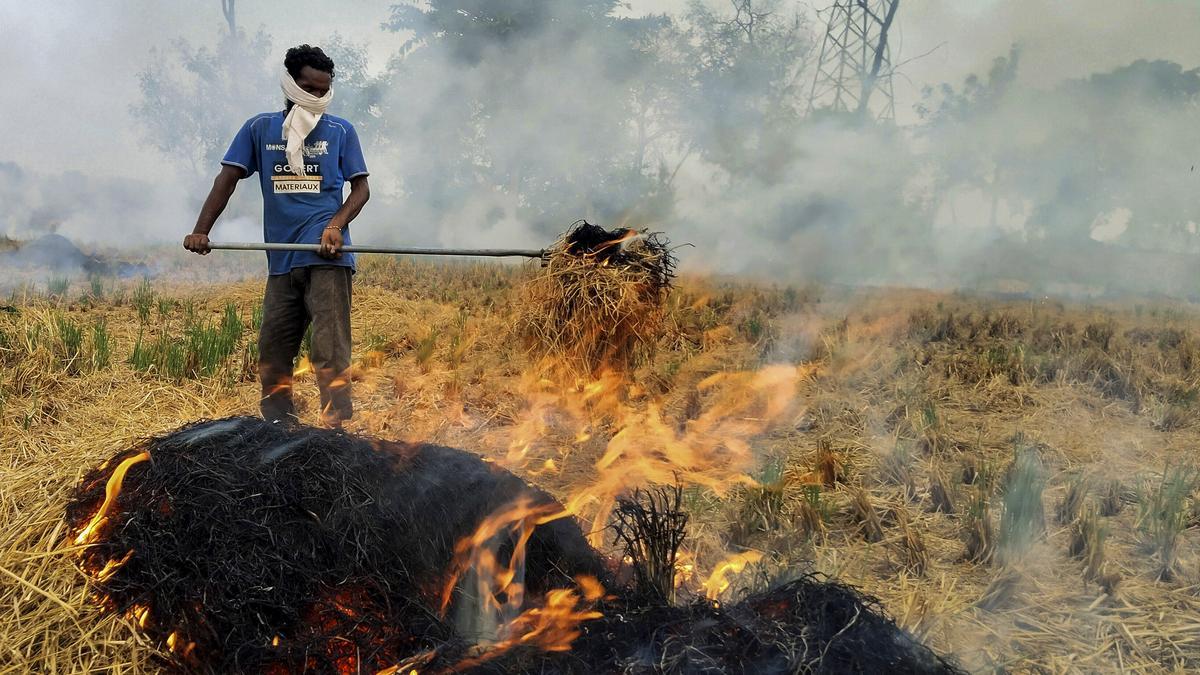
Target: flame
409	665
552	627
718	581
712	450
630	439
110	568
111	490
630	235
644	447
477	553
592	588
685	567
174	642
140	614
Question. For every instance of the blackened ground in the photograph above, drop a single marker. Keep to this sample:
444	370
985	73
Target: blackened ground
243	532
808	625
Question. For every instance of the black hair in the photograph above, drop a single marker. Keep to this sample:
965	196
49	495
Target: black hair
306	55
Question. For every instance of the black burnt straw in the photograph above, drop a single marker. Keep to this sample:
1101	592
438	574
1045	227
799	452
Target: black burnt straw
284	549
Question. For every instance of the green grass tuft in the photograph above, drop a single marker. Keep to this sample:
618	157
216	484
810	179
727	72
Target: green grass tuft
1022	515
143	300
96	287
1163	515
56	287
101	345
70	343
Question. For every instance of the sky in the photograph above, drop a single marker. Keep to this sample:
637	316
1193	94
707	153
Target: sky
71	65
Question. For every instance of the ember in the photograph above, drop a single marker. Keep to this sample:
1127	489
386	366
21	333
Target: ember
241	546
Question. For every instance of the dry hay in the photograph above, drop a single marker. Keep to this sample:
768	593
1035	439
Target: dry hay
599	299
1060	624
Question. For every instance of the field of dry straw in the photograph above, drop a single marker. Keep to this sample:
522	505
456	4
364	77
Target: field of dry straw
1013	478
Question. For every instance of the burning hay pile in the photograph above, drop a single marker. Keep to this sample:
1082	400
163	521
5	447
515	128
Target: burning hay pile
599	299
241	546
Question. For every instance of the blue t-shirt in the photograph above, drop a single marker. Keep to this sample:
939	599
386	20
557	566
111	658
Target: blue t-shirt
296	209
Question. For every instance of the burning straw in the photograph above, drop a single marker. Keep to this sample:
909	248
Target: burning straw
599	299
241	546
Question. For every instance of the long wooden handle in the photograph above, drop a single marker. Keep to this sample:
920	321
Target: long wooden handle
396	250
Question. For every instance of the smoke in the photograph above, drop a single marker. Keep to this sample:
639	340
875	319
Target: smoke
74	204
1031	162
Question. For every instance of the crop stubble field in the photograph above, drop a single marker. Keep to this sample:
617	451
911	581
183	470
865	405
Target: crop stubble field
1011	477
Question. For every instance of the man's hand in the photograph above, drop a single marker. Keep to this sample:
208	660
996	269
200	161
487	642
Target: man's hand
197	243
331	243
214	204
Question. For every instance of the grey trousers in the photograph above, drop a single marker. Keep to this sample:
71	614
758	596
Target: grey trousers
319	295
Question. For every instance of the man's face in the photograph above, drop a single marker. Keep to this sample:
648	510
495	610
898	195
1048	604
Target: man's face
315	82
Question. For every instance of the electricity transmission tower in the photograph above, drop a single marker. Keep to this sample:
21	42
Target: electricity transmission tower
854	73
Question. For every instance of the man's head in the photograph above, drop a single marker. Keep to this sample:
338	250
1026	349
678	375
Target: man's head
310	68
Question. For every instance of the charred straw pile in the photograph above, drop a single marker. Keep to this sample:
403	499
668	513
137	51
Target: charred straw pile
240	546
598	300
808	625
259	546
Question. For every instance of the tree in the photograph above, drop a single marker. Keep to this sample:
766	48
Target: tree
968	137
523	108
1088	148
469	28
194	98
743	108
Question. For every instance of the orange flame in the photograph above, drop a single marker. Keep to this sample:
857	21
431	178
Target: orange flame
140	614
110	568
630	235
712	450
685	567
408	666
553	627
476	552
111	490
718	581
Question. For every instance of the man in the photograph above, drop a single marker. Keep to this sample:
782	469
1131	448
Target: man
303	157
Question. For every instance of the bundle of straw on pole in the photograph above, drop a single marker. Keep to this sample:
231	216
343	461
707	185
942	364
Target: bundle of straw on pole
598	301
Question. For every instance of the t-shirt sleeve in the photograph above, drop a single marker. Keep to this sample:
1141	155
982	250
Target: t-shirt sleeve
351	161
241	150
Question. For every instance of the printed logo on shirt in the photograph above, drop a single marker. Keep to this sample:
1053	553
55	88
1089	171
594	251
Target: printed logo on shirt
285	181
317	148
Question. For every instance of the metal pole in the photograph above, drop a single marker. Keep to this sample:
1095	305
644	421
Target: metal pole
484	252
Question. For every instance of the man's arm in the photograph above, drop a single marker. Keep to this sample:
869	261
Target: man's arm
218	199
331	238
